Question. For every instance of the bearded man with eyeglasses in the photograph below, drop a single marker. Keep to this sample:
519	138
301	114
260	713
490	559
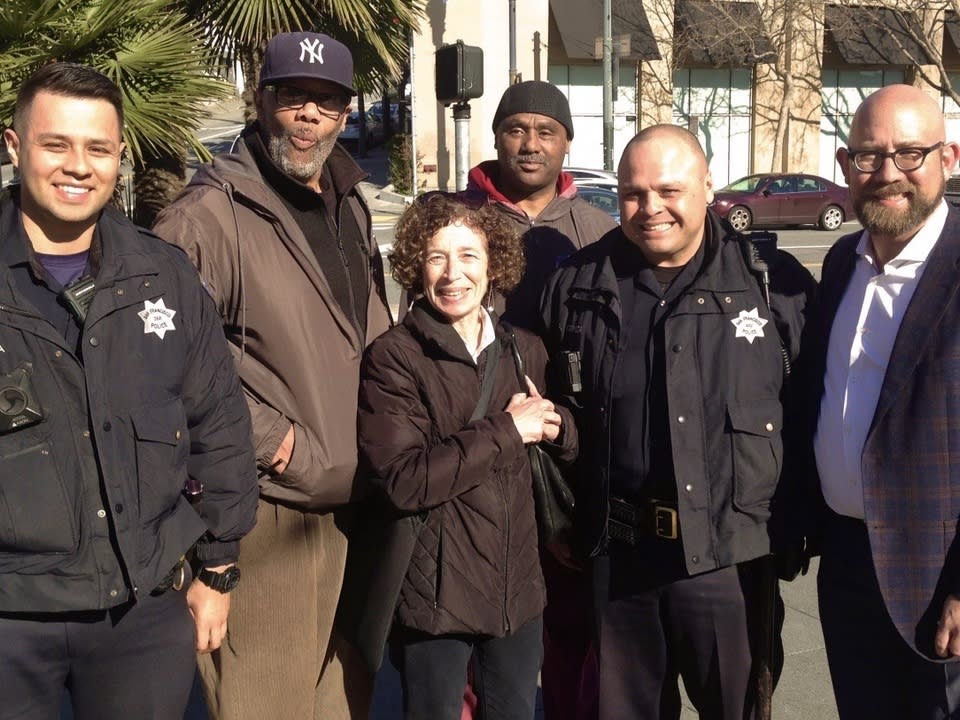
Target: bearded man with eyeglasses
282	239
885	391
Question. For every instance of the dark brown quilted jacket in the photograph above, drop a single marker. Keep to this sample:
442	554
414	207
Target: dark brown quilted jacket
476	567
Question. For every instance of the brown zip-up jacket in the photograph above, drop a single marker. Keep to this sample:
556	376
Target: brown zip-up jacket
297	353
476	566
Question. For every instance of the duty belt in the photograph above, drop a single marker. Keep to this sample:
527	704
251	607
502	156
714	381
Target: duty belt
174	579
629	522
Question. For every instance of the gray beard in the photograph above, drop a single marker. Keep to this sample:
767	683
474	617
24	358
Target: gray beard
885	222
301	170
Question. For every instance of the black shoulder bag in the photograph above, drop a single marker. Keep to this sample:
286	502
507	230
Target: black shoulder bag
378	556
553	499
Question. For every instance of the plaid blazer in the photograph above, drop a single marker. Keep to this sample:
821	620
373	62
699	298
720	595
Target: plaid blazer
911	458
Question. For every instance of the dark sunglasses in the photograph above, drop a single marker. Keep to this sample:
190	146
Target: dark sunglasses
290	96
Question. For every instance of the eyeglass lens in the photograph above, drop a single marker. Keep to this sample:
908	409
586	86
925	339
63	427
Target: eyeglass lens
290	96
905	159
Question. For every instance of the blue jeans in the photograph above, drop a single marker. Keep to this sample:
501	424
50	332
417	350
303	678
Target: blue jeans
433	672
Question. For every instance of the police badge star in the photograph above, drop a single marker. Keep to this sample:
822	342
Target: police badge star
157	318
749	325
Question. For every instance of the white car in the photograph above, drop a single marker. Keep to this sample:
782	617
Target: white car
350	135
596	178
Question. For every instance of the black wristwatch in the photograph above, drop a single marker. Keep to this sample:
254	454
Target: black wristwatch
222	582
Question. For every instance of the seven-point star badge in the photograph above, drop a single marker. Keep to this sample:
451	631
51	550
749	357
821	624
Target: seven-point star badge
749	325
157	318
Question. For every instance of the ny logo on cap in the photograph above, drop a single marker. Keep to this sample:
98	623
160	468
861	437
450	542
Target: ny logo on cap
313	49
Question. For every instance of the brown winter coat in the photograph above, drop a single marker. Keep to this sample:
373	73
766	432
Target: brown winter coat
476	567
297	353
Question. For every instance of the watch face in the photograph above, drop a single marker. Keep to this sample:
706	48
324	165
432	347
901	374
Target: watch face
231	576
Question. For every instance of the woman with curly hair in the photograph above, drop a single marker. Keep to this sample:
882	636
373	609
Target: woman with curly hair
473	587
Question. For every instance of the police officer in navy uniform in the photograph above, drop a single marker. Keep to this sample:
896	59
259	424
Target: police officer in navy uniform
668	341
116	391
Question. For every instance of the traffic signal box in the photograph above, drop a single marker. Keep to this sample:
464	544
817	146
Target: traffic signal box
459	73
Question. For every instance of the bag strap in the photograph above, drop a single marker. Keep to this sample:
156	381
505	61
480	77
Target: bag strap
489	376
517	358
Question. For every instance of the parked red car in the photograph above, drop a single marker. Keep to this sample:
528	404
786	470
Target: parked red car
783	199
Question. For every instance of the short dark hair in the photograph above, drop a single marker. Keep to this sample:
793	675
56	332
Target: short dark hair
69	80
436	210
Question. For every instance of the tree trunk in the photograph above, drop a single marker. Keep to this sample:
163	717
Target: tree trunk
251	58
155	183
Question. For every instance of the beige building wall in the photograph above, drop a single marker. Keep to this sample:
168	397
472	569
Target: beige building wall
485	25
787	101
655	91
786	132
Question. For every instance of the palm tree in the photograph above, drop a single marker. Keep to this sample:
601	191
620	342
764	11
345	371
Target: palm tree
165	56
150	48
376	31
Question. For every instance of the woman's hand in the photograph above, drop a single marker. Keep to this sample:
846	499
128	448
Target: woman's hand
534	416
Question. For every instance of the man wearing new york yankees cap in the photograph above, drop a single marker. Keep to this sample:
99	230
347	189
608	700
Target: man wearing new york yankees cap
282	238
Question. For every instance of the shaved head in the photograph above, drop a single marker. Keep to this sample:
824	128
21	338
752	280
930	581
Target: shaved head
673	134
904	100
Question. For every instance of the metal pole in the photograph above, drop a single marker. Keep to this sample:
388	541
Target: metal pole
513	41
461	125
413	122
607	87
536	55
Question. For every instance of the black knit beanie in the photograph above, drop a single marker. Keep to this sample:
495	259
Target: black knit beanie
534	96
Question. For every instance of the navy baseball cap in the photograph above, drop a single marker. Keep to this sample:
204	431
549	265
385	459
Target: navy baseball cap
309	55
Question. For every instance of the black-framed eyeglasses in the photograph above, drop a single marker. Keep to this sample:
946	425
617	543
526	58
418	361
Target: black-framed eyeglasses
906	159
291	96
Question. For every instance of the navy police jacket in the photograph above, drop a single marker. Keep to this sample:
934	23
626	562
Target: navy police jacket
92	511
725	382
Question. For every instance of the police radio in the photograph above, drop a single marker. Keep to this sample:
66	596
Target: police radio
77	296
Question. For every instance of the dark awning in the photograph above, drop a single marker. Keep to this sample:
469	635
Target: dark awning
951	26
720	34
580	23
875	35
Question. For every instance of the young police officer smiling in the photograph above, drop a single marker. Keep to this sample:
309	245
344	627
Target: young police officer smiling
117	387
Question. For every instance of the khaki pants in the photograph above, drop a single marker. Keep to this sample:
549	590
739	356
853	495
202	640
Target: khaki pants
281	657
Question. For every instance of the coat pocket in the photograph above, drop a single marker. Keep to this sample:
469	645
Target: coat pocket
756	450
163	445
36	515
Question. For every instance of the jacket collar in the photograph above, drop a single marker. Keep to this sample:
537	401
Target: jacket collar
485	179
433	331
715	274
115	254
239	170
936	291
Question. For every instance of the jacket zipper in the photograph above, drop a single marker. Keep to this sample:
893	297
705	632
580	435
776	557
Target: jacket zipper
17	311
436	587
506	550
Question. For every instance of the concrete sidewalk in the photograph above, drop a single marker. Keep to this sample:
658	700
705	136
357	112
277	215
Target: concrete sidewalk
804	692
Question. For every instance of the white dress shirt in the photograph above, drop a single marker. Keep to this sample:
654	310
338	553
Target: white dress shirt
861	340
